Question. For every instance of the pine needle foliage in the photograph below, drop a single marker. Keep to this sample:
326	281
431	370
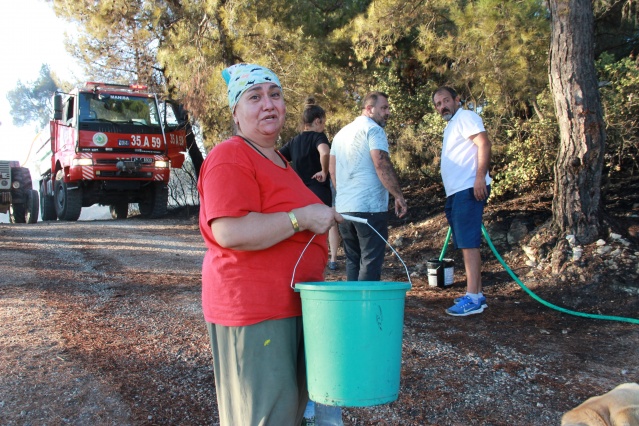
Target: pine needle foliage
494	53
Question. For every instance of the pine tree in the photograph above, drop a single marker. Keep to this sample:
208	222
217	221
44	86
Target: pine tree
31	102
577	207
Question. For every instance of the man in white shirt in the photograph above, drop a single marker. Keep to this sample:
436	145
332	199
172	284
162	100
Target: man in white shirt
464	168
363	175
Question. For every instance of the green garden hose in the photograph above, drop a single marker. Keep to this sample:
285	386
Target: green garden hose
527	290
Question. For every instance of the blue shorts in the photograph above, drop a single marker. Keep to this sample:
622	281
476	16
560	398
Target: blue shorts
464	214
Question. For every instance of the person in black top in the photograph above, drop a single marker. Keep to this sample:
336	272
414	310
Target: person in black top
309	153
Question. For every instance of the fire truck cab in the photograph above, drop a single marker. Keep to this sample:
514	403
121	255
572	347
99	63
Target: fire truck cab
112	145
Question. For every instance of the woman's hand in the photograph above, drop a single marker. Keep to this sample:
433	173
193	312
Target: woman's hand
319	176
317	218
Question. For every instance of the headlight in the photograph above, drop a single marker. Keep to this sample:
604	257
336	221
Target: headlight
161	164
15	184
82	162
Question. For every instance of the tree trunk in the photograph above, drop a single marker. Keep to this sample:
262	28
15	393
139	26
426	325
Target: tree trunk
577	207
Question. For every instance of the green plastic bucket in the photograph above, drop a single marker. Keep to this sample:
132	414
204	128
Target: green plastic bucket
353	340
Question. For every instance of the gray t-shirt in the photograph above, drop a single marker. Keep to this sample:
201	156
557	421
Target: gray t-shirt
358	186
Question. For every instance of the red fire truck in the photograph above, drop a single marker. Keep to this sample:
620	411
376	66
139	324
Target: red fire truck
112	145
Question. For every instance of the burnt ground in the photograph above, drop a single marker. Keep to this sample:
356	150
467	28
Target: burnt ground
101	320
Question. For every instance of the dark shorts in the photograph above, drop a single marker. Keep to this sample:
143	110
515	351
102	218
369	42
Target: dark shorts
333	194
323	192
464	214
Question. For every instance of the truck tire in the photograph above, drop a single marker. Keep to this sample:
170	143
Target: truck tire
16	213
119	210
22	175
68	201
18	206
33	207
156	203
47	204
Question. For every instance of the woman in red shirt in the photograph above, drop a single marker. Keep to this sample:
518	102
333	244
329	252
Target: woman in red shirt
256	217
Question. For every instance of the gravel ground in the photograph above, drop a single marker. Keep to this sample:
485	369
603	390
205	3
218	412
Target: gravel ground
101	325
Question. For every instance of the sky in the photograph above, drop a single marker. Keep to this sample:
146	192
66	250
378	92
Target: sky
30	36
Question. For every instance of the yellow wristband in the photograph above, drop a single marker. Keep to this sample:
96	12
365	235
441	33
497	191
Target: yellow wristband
296	226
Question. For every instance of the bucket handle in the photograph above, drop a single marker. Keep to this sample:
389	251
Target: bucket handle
352	219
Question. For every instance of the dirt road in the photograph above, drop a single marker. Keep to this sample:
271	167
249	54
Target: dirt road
101	325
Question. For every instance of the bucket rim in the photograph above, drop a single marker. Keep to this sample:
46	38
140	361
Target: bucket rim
353	285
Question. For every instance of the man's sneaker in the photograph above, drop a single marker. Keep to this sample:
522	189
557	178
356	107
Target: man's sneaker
332	266
482	300
464	307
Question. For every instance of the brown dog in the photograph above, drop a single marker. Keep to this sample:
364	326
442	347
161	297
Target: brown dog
619	407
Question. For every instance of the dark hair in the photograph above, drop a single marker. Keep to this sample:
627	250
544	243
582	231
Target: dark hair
312	111
371	99
450	91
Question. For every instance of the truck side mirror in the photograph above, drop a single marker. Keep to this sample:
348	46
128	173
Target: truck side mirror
182	114
57	106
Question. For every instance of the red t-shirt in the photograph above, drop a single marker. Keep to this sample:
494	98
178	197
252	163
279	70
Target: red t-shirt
245	287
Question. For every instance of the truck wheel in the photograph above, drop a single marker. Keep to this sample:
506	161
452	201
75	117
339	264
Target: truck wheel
47	204
16	213
119	210
18	206
68	201
22	175
156	201
33	207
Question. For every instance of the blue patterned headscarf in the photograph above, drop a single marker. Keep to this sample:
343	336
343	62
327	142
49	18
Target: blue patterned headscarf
241	77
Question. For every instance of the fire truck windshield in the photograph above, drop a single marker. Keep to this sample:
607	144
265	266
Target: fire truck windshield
118	108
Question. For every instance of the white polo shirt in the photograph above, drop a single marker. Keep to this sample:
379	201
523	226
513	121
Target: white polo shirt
459	153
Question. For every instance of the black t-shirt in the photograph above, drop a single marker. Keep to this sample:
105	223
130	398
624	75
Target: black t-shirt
302	152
